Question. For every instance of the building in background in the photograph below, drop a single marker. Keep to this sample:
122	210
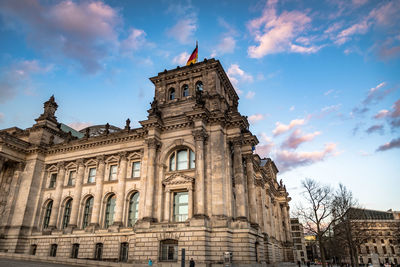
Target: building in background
187	178
299	243
375	235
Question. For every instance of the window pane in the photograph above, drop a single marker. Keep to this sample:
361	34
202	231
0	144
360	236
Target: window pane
172	162
192	158
87	212
110	211
136	169
53	179
72	176
92	175
133	209
181	209
182	160
113	173
185	90
67	213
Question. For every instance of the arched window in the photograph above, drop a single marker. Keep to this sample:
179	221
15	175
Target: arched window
185	90
47	214
182	159
67	213
87	214
109	218
133	209
171	94
98	252
199	86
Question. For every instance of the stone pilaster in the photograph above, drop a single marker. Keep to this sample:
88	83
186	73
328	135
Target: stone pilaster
99	191
121	189
167	208
57	195
153	145
199	137
241	201
73	222
252	194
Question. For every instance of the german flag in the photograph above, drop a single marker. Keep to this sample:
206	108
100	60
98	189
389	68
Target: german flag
193	56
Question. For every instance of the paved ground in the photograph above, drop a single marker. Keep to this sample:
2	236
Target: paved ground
19	263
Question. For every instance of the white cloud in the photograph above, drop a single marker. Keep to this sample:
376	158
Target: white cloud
265	147
255	118
184	30
181	59
226	46
278	33
250	95
135	40
291	108
235	71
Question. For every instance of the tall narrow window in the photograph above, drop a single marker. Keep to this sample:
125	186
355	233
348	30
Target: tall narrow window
33	249
182	159
87	214
67	213
47	214
71	178
185	90
53	250
109	218
113	173
171	94
199	86
133	209
92	175
136	169
169	250
75	251
123	252
53	179
181	206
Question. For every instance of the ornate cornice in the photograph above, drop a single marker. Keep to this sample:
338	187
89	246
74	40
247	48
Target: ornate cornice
199	134
153	142
178	178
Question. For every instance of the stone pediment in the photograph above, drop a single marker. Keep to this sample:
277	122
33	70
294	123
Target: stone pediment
178	178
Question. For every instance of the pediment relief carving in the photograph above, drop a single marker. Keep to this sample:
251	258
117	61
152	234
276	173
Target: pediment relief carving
135	155
178	178
52	168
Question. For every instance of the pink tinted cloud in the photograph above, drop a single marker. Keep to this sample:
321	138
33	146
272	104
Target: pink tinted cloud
375	128
394	143
296	138
84	31
255	118
279	33
266	145
382	114
282	128
288	160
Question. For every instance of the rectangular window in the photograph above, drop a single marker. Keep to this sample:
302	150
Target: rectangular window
123	252
53	250
113	173
136	169
53	179
169	250
92	175
181	206
71	178
75	251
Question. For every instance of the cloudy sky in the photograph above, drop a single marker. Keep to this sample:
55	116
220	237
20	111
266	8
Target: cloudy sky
318	80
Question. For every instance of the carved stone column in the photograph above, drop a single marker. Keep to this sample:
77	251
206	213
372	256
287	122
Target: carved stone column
199	137
57	195
239	180
153	145
99	191
121	189
167	207
73	222
252	194
190	210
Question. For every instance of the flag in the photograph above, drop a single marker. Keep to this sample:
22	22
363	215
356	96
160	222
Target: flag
193	56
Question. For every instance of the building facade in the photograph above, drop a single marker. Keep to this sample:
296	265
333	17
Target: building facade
186	179
375	235
299	243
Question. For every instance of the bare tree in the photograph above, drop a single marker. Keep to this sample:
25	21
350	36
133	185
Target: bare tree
316	213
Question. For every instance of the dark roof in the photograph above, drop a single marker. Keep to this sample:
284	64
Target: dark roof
364	214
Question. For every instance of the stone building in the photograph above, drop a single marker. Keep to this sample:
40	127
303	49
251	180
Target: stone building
186	179
299	243
375	235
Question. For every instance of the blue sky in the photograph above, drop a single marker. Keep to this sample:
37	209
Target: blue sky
319	80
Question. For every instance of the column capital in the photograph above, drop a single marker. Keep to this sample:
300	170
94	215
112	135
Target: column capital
236	141
199	134
61	165
248	157
100	159
123	155
153	143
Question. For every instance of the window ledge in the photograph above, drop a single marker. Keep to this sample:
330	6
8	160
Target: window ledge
111	182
